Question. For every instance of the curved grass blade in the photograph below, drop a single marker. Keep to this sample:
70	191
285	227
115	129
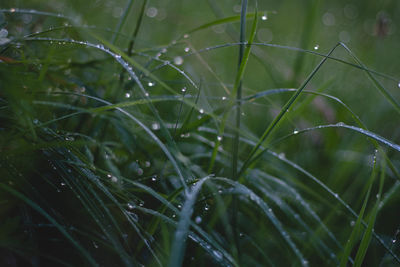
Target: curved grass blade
182	229
355	234
282	113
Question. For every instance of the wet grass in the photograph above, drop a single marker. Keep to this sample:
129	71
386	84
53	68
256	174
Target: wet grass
202	144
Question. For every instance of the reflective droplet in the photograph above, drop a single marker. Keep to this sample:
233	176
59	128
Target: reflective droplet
186	36
179	206
187	49
223	98
140	171
154	178
178	60
201	111
95	245
130	206
173	215
218	254
183	89
316	47
264	17
151	12
198	220
206	207
295	132
155	126
398	85
127	95
281	155
219	138
352	223
151	84
12	10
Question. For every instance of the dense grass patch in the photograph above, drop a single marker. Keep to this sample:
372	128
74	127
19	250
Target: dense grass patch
178	133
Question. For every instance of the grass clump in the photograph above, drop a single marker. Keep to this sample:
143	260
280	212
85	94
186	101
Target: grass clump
128	140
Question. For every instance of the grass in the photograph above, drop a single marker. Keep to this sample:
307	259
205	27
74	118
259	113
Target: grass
129	138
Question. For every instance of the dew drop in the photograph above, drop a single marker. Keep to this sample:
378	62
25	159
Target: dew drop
223	98
264	17
141	204
394	241
219	138
147	164
206	207
127	95
187	49
352	223
398	85
183	89
155	126
201	111
295	132
173	215
178	60
12	10
198	220
140	171
151	84
62	184
186	36
154	179
95	245
151	12
130	206
218	254
316	47
281	155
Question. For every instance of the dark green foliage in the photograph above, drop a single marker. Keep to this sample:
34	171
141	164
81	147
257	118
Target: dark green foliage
187	133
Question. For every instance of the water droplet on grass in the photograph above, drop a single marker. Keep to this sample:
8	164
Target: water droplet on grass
151	84
151	12
218	254
183	89
352	223
187	49
154	179
201	111
127	95
295	132
398	85
155	126
206	207
178	60
219	138
198	220
316	47
223	98
264	17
